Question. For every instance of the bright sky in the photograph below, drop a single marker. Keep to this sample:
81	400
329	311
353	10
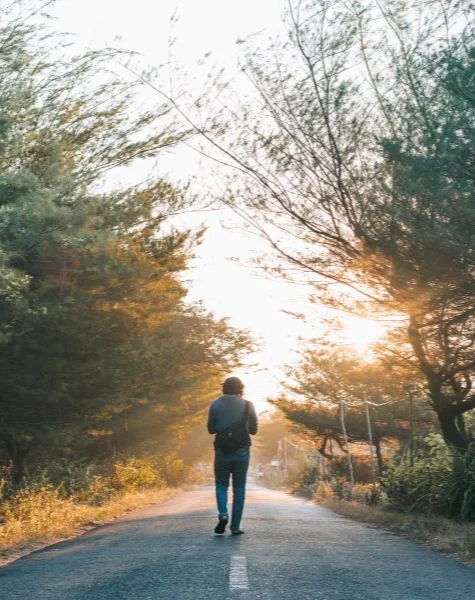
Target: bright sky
228	289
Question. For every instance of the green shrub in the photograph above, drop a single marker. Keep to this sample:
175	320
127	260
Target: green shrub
99	490
34	503
133	474
367	493
459	488
374	495
304	480
70	475
422	485
441	482
172	469
469	543
310	474
322	490
302	489
342	488
6	482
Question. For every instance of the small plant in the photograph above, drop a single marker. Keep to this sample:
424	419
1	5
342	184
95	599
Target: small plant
442	481
33	510
133	474
304	480
469	544
307	491
419	486
5	481
366	493
374	495
460	486
99	490
310	474
323	490
342	489
172	469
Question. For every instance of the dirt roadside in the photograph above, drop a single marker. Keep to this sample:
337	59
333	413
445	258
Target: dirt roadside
438	533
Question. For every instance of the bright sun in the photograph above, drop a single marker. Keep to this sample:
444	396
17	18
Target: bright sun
361	333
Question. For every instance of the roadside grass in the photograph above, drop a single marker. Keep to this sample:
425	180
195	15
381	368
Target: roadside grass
40	512
43	517
438	533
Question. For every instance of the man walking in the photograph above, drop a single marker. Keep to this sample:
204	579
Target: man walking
232	419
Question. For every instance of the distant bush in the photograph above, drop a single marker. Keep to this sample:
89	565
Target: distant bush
367	493
460	486
322	490
71	476
304	480
440	482
99	490
134	474
6	482
52	502
419	486
33	511
341	488
173	469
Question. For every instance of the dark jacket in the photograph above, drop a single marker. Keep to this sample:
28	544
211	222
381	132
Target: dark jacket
228	409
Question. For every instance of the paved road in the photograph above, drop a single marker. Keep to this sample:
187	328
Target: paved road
291	550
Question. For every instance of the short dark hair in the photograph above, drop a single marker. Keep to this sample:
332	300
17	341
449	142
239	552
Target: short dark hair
233	385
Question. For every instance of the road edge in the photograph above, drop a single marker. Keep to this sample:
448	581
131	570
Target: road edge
11	555
437	533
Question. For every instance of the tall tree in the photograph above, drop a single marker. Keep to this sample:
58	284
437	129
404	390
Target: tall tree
327	375
97	345
357	161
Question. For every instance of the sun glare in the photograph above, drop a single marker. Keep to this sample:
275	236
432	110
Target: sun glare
259	385
360	334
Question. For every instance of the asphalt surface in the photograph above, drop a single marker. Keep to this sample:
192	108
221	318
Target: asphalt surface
291	549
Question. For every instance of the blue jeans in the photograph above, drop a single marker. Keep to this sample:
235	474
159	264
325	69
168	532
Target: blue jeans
225	465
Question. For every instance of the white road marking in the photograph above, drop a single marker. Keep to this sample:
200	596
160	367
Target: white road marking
238	573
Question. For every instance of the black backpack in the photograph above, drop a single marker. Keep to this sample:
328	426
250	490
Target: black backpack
235	436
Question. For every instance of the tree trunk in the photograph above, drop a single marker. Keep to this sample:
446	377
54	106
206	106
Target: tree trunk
451	432
16	454
450	415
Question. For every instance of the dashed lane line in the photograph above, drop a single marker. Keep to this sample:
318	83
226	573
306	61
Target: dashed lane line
238	573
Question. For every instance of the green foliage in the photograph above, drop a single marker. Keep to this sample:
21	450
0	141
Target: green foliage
327	374
173	469
460	488
134	474
100	354
440	482
373	494
310	474
322	490
99	490
92	484
360	161
419	486
6	482
306	480
42	510
342	489
36	502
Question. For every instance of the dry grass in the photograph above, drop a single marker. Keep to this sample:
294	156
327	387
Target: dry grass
43	517
438	533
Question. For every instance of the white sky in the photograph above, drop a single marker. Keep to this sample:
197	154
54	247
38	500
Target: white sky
227	289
